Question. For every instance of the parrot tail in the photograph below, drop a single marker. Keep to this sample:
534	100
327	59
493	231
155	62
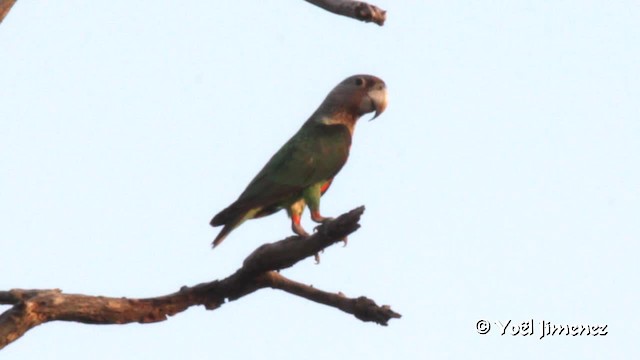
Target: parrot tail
223	234
231	218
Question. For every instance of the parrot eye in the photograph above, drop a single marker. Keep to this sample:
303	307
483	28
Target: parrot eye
359	81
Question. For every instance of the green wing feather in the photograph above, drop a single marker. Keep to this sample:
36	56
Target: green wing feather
315	153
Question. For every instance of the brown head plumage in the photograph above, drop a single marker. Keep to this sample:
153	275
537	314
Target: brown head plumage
349	100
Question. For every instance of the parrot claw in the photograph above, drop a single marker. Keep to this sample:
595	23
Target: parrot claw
345	241
298	230
316	257
322	222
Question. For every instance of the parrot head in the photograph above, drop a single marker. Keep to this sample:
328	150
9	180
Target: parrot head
357	95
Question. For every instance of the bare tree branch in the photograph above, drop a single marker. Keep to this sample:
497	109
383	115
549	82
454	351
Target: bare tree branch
5	6
354	9
363	308
259	270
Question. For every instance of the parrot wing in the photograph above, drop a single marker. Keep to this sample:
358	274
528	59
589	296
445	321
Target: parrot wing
302	161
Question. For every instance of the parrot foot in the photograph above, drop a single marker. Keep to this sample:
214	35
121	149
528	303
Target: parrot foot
344	240
298	230
315	216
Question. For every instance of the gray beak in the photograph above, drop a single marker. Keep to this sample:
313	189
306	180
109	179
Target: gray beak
378	97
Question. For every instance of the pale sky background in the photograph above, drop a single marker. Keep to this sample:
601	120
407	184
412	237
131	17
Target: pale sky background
502	182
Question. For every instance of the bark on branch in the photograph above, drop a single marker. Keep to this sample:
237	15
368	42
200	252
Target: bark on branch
31	308
354	9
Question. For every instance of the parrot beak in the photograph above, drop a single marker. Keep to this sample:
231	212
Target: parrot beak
378	97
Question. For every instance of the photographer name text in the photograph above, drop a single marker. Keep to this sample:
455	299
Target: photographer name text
542	328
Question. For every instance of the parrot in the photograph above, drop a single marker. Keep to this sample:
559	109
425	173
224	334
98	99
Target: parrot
302	170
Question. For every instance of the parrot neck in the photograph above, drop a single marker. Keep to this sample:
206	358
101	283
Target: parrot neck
340	118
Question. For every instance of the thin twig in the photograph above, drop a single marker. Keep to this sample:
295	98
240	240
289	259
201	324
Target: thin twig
354	9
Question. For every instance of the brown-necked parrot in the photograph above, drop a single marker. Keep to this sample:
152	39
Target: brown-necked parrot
304	167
